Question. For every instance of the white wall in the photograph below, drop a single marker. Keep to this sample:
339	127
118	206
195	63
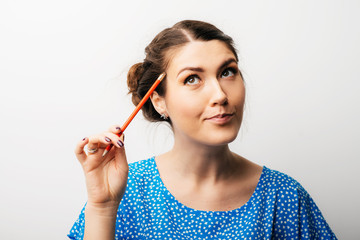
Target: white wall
62	72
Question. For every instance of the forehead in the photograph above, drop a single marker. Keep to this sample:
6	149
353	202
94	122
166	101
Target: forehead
198	54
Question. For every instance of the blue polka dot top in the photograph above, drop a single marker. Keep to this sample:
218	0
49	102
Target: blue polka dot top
279	208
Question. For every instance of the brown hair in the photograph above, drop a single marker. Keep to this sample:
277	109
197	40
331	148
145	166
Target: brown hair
141	76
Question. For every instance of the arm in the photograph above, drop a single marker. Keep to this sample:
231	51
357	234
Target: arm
106	180
100	222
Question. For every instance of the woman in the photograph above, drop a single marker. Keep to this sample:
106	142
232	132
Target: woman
199	189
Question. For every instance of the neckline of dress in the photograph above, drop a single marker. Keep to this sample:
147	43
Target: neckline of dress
183	207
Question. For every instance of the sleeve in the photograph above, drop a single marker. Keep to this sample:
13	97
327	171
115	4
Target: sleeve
298	217
77	230
312	224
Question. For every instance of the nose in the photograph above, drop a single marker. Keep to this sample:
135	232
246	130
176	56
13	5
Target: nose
218	96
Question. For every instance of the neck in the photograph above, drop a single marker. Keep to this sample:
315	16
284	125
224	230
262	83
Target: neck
201	163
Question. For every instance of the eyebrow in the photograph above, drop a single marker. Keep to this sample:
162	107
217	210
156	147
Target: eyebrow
199	69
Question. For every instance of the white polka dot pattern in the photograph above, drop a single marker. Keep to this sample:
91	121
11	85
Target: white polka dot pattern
279	208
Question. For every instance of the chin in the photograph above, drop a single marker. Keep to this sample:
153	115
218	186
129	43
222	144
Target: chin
219	139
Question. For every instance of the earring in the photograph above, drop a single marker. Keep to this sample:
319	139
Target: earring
163	116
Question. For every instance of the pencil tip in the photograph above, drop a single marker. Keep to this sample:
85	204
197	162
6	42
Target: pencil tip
105	152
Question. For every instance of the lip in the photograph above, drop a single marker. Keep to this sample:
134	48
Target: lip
221	118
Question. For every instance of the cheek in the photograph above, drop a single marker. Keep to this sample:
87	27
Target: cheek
185	107
236	95
240	98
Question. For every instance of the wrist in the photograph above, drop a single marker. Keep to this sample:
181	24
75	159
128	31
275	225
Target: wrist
100	220
108	209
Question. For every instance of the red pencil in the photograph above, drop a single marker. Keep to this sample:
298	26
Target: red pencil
137	109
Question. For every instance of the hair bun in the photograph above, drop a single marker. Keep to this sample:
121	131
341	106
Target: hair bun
134	75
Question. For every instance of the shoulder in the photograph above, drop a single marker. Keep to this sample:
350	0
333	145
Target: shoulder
282	184
296	214
142	172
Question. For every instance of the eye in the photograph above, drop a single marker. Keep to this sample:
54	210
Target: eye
229	72
192	80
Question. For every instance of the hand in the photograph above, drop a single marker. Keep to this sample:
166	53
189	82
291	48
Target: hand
106	177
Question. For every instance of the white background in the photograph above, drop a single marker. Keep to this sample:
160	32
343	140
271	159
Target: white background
62	70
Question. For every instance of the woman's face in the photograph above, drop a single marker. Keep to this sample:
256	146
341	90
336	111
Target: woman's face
205	93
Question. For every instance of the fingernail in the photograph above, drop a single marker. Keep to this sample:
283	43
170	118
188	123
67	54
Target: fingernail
120	143
107	139
118	128
84	138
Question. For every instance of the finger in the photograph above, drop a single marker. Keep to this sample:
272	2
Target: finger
79	150
114	139
95	143
120	157
122	137
116	129
98	143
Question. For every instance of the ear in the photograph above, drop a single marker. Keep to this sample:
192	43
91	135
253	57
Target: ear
158	103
